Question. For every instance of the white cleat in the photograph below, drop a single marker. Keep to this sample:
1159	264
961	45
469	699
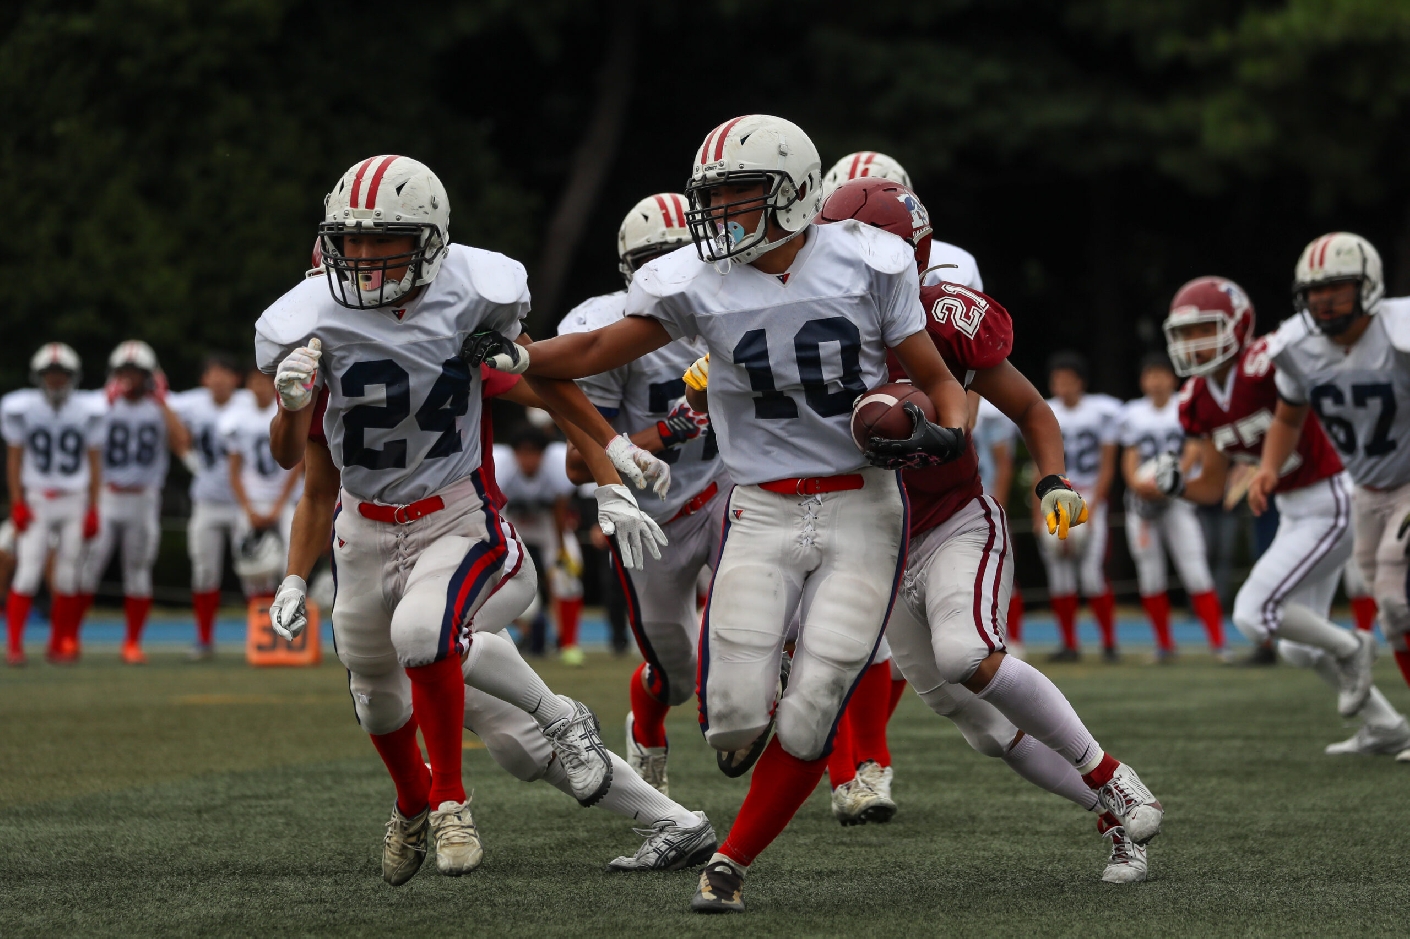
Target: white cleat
1127	864
669	847
577	740
647	762
878	777
404	847
1374	741
856	803
458	848
1403	756
1126	797
1355	675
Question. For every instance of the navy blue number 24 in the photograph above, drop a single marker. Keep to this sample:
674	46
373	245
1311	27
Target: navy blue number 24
448	399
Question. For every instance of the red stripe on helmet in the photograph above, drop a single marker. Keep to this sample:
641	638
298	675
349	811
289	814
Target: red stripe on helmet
357	181
377	180
856	161
1326	243
665	210
724	133
709	139
679	203
866	164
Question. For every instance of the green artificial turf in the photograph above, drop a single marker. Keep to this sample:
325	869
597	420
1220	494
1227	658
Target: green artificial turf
216	799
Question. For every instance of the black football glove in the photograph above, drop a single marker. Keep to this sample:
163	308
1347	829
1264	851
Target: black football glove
498	352
928	445
683	424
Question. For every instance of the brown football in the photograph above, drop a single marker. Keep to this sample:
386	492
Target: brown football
879	413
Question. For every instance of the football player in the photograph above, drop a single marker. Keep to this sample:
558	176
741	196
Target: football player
1346	355
1227	409
417	545
1155	525
1089	425
947	633
54	469
140	429
214	511
646	399
994	436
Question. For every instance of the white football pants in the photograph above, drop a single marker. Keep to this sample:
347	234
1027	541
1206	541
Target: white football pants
1175	531
132	520
58	518
1381	556
211	525
1081	559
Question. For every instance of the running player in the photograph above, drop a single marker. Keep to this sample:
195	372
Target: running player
1089	425
53	434
995	438
140	428
1227	409
1157	526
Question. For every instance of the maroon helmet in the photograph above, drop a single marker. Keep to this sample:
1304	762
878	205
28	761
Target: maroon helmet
884	204
1208	300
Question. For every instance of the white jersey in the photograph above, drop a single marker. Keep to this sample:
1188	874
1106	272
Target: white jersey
403	417
957	266
992	428
1152	430
244	429
56	443
1361	394
1086	428
531	498
640	393
789	354
135	446
201	415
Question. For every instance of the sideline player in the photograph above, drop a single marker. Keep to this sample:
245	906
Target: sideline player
646	399
1157	526
1089	425
1346	355
1227	408
53	434
417	545
140	429
947	632
214	512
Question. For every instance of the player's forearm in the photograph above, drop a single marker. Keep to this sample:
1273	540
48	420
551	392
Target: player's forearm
592	462
578	355
288	435
295	474
178	438
237	485
1208	487
308	537
698	400
14	463
95	477
1106	473
1043	437
567	400
1283	435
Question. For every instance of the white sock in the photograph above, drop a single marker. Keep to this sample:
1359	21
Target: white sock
497	668
1302	625
1034	705
1047	770
632	798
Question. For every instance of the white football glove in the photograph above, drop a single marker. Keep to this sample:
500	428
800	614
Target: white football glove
191	459
294	380
1168	478
1061	505
288	613
618	514
639	467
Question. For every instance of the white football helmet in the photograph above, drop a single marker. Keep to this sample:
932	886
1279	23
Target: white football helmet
134	353
260	556
756	148
55	357
384	195
1340	256
654	226
864	163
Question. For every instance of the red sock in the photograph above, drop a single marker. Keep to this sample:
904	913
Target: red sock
1104	612
1402	659
869	711
16	613
570	612
1207	608
898	688
62	629
781	784
135	609
1099	776
205	604
438	701
85	603
1065	612
841	763
402	757
1015	621
1158	610
1364	609
648	711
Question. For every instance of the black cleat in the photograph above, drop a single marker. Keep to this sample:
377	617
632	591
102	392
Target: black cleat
1259	657
1065	654
721	889
1110	655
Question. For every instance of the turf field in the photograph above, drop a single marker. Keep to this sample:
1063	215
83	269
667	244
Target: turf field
216	799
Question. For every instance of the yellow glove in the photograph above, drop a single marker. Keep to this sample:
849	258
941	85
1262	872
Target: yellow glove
1061	505
698	375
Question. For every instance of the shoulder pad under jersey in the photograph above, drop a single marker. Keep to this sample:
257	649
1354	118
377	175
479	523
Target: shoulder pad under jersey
881	250
1289	333
974	324
672	273
294	317
497	278
594	313
1189	392
18	399
1395	318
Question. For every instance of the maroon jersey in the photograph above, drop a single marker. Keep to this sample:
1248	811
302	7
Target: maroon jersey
1236	418
972	331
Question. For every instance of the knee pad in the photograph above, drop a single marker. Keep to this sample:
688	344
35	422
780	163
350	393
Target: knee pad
1248	619
416	629
957	656
985	729
510	601
673	661
802	738
516	745
382	701
733	738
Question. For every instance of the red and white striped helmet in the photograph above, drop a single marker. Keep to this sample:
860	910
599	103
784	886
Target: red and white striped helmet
134	353
1335	258
654	226
862	164
1203	300
55	356
756	148
384	195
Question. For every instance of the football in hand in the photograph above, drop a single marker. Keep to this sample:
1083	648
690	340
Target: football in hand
879	413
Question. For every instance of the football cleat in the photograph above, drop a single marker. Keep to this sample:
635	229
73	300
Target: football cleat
458	848
577	740
647	762
15	658
404	847
1064	655
856	803
1355	675
669	847
721	889
1403	756
132	654
735	763
1126	797
200	653
1260	656
877	776
572	656
1371	741
1110	655
1127	864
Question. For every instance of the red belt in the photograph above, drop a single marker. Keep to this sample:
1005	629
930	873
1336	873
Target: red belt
812	485
400	514
696	502
114	487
